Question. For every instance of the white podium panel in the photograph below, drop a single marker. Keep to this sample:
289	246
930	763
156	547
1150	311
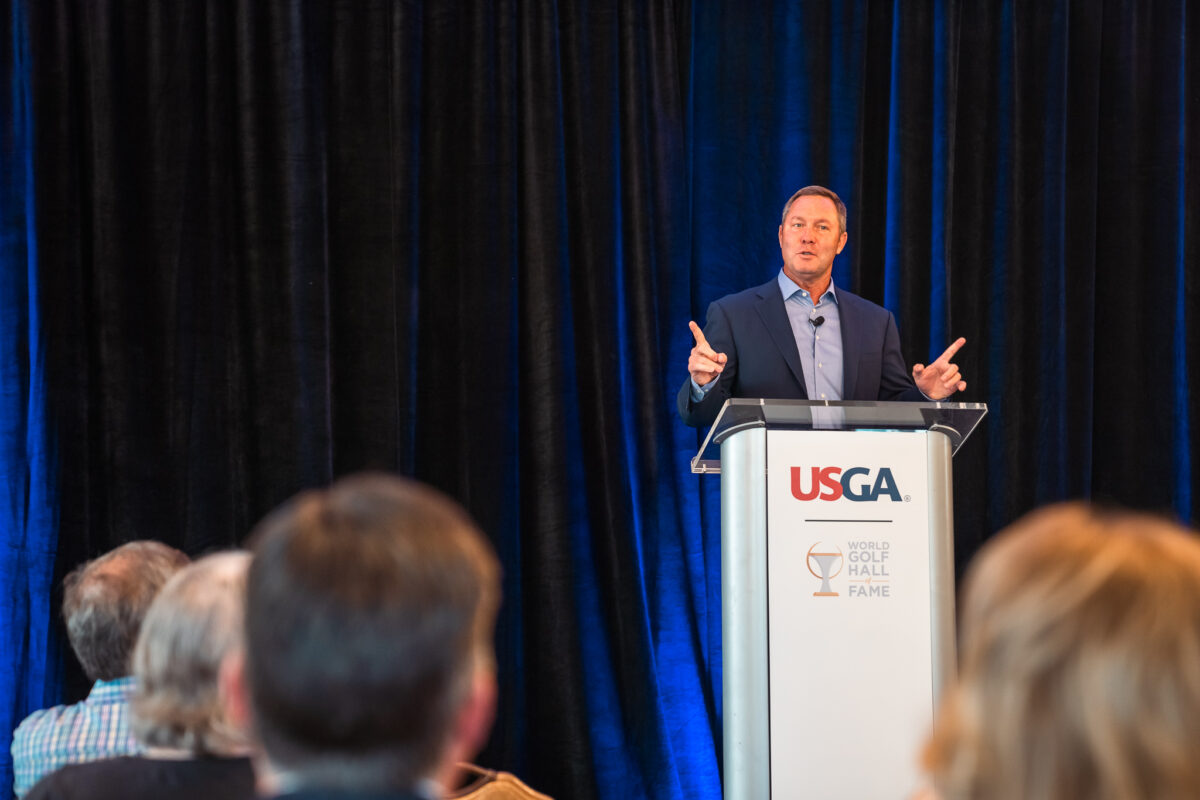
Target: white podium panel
850	664
837	582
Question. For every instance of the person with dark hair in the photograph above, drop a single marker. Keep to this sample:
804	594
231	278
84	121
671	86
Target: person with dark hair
192	751
799	337
368	668
104	603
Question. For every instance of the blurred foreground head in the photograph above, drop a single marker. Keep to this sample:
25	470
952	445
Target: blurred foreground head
1080	663
370	612
192	626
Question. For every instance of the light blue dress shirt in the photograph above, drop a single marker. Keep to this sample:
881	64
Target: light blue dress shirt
820	346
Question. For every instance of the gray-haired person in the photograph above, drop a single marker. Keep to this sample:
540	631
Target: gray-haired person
104	603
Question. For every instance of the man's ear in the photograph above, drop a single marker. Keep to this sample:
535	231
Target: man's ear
233	690
475	716
472	724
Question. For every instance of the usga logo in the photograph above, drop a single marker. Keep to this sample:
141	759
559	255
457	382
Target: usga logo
855	483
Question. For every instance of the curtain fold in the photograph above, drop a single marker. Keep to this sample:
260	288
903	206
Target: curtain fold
29	667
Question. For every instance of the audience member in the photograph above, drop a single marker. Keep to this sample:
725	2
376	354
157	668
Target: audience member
191	751
1080	664
368	667
103	605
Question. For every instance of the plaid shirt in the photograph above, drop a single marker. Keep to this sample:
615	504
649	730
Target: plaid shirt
90	730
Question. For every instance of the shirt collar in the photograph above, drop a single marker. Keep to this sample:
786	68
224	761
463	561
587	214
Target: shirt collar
109	691
788	287
288	783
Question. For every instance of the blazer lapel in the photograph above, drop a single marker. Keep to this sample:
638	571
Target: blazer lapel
851	344
774	317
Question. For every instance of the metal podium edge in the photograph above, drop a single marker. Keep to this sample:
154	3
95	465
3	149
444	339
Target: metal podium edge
745	676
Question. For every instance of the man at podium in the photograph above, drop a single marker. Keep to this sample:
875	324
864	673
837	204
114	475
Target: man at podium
799	337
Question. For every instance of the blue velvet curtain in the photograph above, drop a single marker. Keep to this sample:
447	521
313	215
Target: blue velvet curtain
29	671
257	245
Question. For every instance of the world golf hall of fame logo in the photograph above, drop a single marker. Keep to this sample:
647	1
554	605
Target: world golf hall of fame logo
830	562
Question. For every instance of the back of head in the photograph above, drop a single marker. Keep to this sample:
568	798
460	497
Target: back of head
106	599
1080	663
370	607
193	624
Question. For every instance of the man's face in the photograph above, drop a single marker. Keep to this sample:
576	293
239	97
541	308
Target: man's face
809	238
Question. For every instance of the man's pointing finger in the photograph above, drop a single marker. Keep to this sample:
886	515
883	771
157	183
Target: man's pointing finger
702	344
952	349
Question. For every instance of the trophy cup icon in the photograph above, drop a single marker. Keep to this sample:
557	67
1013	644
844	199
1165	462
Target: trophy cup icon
825	562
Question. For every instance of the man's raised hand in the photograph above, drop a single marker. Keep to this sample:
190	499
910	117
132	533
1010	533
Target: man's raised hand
704	363
941	378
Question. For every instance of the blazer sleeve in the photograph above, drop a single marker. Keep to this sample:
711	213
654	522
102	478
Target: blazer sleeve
719	334
894	381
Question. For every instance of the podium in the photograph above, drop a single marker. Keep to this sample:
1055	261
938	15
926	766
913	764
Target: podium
837	582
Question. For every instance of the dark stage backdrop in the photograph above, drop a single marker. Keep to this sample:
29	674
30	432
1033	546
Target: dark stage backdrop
258	244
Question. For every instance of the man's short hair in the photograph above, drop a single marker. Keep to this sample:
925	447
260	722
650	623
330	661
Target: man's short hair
105	600
370	606
818	191
193	624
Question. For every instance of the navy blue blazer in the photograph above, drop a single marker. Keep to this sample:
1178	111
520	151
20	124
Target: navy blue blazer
751	328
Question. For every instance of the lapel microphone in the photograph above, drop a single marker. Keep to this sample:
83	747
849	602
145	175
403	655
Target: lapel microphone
816	321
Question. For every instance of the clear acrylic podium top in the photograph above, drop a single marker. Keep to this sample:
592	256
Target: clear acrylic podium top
956	420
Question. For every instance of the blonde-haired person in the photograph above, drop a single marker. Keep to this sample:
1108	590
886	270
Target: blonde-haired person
1080	664
192	751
